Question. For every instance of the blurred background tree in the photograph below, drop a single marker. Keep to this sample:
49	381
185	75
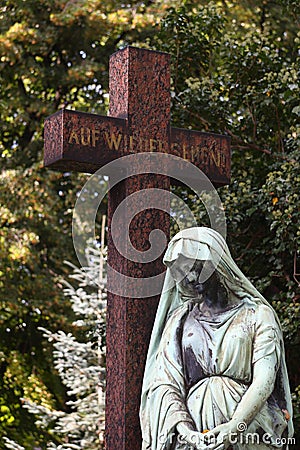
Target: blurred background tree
235	70
80	362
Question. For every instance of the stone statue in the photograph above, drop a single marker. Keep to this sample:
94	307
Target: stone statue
215	375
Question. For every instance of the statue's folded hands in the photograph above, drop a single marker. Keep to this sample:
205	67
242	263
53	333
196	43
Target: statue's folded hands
195	439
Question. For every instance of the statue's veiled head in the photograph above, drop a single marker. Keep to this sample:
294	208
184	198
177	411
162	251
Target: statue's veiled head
197	279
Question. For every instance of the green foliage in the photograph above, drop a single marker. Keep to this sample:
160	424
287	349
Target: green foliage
18	382
34	235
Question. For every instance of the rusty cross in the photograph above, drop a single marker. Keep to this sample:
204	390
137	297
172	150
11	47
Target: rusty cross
138	121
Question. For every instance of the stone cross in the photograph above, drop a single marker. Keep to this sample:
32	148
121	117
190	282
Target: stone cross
138	121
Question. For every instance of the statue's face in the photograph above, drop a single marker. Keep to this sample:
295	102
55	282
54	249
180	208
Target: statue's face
192	281
189	275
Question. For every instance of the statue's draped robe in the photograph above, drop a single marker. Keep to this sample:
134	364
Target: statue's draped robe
198	369
204	367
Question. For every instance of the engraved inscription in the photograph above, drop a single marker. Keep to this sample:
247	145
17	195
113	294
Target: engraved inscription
207	152
113	141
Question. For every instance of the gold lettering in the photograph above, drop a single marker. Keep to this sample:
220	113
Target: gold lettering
73	137
95	137
223	160
152	145
113	141
85	136
215	157
193	151
131	140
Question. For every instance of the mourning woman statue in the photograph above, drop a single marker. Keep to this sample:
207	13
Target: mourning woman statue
215	375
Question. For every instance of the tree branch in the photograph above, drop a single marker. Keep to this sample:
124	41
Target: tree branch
205	122
239	144
243	145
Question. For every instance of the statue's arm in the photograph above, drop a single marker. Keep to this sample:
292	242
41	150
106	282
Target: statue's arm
264	375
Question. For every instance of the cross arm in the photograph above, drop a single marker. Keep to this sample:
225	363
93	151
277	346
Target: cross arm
76	141
210	152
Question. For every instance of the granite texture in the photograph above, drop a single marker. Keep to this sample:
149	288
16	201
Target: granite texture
140	94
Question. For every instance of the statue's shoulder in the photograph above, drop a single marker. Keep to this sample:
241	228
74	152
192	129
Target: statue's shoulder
266	316
256	313
265	311
257	306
